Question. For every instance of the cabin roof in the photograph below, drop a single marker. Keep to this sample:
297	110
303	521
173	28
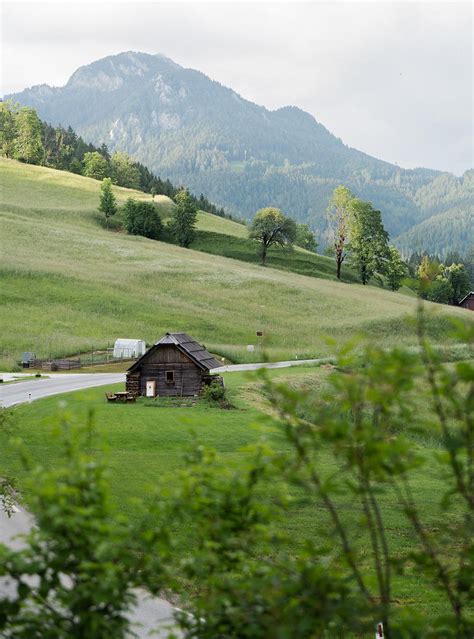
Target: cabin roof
186	344
465	297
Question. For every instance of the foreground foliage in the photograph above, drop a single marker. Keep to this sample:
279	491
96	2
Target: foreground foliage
75	576
246	579
326	590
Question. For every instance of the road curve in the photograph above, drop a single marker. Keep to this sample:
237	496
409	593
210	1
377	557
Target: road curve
54	384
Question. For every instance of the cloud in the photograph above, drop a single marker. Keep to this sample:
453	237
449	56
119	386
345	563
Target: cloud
392	79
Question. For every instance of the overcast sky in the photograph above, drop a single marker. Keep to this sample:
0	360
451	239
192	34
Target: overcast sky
391	79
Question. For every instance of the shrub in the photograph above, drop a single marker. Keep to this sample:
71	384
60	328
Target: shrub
214	393
142	218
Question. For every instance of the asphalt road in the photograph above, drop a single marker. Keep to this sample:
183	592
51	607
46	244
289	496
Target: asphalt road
54	384
286	364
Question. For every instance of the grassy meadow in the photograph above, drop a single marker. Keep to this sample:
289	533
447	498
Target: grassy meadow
68	285
146	444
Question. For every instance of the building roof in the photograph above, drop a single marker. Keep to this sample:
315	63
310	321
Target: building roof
465	297
187	345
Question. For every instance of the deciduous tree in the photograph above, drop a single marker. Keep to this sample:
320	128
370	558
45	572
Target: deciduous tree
75	573
338	217
95	165
458	277
28	144
271	228
8	132
305	238
368	239
183	224
440	283
142	218
124	171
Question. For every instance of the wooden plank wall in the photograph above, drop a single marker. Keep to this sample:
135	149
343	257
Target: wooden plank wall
187	379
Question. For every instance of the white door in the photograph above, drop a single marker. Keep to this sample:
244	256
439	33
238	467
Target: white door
151	388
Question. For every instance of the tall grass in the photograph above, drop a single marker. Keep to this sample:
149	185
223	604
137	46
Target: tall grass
67	285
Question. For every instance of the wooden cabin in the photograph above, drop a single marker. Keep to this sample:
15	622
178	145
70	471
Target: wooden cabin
176	366
468	301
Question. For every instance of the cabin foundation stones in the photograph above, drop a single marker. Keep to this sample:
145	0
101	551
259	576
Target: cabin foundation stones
176	366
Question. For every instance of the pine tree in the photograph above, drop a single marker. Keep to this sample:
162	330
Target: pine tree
108	203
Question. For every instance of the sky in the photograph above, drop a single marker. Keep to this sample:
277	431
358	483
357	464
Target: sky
393	79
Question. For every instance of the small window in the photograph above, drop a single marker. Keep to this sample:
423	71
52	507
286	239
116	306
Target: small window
169	376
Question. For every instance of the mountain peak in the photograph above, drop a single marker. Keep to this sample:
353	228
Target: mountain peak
111	72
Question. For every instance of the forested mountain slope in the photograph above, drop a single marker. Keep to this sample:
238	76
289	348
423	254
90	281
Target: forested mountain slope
193	130
448	206
446	232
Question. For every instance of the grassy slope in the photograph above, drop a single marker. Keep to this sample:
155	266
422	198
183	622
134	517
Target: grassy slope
146	444
238	246
67	284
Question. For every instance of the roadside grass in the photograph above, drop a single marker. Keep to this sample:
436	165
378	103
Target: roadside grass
67	285
146	445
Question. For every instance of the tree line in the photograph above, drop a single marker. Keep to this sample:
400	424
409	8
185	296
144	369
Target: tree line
143	218
358	232
445	282
24	137
359	237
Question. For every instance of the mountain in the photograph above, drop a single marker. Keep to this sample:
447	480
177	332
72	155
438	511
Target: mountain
447	203
193	130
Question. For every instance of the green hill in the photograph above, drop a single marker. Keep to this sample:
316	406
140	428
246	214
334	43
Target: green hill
68	284
194	131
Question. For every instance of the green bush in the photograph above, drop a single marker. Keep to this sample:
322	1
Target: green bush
214	393
142	218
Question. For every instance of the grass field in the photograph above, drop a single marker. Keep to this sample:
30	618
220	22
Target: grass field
68	284
146	444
